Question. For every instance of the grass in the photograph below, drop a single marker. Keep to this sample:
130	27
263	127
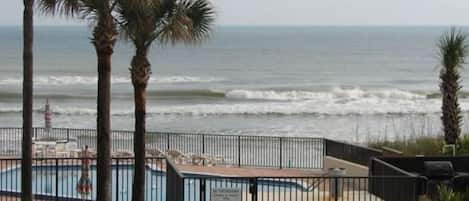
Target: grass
422	145
446	194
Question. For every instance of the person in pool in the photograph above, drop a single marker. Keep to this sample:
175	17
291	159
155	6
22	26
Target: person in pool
84	185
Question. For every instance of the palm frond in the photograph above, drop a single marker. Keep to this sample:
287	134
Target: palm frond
168	21
60	7
202	15
138	19
174	27
190	21
453	49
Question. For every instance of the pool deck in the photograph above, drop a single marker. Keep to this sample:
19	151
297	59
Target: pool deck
247	171
228	171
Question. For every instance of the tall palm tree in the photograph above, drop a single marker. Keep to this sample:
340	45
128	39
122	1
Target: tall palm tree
143	22
453	49
99	13
26	162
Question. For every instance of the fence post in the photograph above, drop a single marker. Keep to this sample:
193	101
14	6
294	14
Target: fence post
253	188
336	188
324	147
239	151
167	141
117	179
202	189
56	179
324	151
203	148
68	135
281	151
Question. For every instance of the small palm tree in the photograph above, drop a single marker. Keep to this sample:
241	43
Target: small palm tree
100	14
453	48
143	22
26	162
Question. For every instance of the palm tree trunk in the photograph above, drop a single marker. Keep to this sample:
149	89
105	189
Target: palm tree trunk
450	108
26	162
140	73
104	38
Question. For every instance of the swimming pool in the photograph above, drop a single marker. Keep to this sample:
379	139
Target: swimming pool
60	181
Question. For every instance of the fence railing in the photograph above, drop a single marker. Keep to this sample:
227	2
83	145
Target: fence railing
320	188
414	166
58	179
260	151
379	167
350	152
175	182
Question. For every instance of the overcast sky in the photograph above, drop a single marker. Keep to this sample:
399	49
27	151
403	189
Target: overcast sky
307	12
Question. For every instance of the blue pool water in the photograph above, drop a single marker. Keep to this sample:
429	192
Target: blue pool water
48	180
62	181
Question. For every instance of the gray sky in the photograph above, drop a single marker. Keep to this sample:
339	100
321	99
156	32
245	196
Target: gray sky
308	12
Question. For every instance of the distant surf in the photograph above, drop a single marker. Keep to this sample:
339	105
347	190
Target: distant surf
336	101
333	94
92	80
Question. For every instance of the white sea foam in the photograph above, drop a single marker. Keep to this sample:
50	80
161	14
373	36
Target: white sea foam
337	101
186	79
92	80
310	107
302	108
332	95
5	109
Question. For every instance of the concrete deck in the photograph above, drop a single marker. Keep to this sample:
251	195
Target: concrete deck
247	171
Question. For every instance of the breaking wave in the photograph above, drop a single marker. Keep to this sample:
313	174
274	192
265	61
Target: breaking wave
336	101
92	80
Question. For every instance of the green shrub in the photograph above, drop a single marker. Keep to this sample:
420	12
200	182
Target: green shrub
416	146
464	146
422	145
446	194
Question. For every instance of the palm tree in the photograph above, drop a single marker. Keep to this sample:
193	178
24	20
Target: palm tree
26	162
99	13
453	48
143	22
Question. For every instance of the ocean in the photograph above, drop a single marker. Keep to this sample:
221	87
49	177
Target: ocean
347	83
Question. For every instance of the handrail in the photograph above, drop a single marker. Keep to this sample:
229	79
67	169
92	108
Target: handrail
355	145
394	168
171	164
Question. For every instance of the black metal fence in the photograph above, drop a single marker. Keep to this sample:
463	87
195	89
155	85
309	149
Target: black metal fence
175	182
260	151
208	188
414	166
350	152
379	168
57	179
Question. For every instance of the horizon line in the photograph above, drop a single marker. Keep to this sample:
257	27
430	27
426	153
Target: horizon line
267	25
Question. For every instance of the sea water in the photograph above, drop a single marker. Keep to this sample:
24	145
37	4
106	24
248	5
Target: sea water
349	83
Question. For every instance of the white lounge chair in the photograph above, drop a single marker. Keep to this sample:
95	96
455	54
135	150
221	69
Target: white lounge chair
200	159
155	152
177	156
123	154
220	160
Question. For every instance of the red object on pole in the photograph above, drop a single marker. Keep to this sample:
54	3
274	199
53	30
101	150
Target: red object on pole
47	116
